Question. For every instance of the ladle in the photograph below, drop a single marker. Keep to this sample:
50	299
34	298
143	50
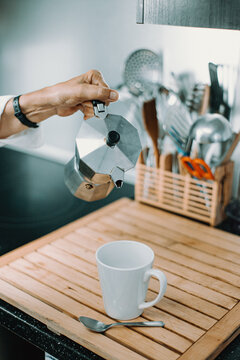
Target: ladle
207	129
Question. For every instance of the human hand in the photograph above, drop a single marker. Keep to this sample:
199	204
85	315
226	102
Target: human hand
62	99
77	93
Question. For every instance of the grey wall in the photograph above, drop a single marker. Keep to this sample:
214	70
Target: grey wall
46	41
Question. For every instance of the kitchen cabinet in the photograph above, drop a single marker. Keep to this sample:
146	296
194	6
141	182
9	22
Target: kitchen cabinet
219	14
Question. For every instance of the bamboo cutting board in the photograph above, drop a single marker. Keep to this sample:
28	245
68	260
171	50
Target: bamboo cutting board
54	279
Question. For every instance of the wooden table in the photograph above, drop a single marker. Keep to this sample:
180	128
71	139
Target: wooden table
54	279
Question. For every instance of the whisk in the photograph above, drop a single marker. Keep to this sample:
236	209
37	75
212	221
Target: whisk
177	123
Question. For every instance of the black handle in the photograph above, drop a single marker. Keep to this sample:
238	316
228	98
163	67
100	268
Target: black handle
99	108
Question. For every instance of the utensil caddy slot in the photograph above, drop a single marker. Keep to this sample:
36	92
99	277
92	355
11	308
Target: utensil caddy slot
181	194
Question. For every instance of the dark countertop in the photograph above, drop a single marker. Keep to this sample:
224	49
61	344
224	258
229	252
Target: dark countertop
34	202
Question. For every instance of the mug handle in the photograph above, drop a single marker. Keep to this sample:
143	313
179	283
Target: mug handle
163	286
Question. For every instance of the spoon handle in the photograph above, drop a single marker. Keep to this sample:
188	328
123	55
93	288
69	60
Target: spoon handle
142	323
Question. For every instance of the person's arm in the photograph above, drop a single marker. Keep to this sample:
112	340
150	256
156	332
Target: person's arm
62	99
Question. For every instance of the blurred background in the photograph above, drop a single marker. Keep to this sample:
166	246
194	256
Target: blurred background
48	41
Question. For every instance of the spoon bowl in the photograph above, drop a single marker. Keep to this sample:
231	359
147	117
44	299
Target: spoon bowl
98	326
207	129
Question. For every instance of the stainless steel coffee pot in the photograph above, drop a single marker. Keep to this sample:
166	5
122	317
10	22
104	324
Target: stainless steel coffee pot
106	147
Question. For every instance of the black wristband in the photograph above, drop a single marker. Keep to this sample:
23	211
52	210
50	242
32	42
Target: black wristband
20	116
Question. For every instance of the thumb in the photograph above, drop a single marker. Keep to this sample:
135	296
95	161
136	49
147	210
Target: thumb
95	92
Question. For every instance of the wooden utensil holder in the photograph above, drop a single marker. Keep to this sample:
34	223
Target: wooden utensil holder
181	194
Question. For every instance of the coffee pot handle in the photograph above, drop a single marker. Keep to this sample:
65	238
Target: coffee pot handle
100	109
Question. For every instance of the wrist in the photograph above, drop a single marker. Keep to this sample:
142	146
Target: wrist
37	106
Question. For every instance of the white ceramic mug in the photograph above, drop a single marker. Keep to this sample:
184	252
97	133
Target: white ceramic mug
125	268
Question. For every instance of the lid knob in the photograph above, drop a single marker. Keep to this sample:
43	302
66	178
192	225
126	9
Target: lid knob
113	138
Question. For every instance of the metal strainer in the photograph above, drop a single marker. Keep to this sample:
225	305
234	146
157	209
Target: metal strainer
143	71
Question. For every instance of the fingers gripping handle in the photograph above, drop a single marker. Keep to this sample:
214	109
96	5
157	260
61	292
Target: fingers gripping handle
163	285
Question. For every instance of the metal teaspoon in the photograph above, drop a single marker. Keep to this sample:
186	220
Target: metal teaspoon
100	327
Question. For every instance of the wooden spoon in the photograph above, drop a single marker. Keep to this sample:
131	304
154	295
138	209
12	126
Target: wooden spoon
231	148
150	122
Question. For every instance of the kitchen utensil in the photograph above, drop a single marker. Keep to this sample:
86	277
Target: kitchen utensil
232	77
215	159
216	92
177	123
107	146
142	76
223	75
219	89
228	154
164	99
150	122
100	327
197	168
198	101
166	161
143	71
184	82
208	129
175	163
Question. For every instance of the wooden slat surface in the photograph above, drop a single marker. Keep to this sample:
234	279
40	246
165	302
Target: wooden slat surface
55	280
